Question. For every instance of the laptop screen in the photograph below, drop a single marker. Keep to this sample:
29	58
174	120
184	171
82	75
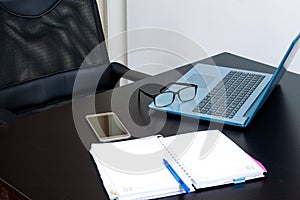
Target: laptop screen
285	62
282	68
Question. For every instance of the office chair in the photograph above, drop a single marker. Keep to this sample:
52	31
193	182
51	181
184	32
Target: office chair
43	44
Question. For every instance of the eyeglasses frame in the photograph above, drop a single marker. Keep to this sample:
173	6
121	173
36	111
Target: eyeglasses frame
162	90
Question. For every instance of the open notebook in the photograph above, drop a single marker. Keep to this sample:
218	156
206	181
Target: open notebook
134	169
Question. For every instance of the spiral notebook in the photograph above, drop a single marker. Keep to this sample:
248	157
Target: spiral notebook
134	169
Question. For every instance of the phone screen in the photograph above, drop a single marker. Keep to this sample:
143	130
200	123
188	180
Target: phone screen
107	126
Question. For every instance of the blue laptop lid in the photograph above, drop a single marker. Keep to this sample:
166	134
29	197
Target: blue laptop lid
282	68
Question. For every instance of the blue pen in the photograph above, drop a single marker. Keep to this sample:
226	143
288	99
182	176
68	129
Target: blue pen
176	176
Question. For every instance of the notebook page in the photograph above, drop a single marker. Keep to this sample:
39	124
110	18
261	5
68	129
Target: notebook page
147	192
212	159
138	170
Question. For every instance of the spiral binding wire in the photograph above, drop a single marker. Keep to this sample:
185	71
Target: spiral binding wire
180	164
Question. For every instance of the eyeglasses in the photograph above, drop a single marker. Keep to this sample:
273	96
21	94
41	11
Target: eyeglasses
165	97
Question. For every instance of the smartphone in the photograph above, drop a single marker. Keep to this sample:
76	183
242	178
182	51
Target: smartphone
107	127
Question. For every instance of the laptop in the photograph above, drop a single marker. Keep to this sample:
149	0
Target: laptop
227	95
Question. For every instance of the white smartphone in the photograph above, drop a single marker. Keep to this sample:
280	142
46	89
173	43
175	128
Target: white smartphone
107	127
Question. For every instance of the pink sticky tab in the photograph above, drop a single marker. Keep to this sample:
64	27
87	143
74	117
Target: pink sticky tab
259	164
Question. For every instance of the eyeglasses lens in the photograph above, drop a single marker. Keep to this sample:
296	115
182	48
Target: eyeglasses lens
187	94
164	99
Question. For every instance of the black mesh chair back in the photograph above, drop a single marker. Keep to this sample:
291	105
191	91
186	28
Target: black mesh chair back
42	45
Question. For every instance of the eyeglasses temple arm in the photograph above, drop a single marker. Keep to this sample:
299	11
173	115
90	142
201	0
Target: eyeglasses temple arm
145	93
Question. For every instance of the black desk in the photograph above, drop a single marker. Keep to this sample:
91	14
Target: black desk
43	156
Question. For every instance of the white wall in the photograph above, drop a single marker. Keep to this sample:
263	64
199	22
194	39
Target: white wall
113	17
256	29
102	8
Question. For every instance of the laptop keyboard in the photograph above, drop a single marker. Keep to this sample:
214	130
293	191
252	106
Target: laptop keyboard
229	94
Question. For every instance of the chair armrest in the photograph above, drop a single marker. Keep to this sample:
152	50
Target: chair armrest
127	73
6	116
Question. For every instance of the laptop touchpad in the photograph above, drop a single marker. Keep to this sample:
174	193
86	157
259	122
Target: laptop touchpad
202	81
